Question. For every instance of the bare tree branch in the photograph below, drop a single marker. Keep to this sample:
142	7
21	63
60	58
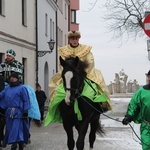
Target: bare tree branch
126	17
93	5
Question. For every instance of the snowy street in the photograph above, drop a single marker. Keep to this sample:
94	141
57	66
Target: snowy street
117	136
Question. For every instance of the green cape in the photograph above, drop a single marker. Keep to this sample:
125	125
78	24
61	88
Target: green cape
53	114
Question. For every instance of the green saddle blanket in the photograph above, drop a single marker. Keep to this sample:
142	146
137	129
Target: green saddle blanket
53	114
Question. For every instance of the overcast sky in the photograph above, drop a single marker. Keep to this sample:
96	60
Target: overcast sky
110	56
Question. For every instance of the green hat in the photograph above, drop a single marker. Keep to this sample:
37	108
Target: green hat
11	52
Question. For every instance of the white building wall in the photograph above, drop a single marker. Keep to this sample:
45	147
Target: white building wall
50	60
46	63
18	37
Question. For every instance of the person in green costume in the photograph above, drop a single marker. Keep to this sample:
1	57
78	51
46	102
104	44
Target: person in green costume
139	111
94	77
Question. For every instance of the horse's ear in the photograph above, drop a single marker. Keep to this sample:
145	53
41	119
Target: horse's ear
62	62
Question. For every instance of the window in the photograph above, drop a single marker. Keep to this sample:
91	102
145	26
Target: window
51	29
2	7
2	57
24	62
24	12
60	37
65	11
73	16
46	25
66	39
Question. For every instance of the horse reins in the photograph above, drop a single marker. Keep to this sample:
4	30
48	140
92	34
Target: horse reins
115	119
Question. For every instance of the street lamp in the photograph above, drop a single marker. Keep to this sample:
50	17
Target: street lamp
51	44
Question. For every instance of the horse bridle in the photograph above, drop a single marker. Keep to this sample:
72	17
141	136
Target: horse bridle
77	90
71	89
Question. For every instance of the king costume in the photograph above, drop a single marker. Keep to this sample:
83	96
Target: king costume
15	101
94	77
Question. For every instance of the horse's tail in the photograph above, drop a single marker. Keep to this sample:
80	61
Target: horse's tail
100	129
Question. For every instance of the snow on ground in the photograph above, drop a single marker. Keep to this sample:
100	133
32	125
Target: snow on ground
121	99
119	136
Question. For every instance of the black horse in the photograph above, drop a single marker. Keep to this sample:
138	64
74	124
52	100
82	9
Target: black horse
73	76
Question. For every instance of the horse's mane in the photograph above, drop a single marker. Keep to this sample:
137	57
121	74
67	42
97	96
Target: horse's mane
79	65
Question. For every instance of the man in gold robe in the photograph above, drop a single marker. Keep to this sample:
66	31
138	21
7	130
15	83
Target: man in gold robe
94	76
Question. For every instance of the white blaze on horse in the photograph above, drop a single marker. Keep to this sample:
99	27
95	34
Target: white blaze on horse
68	76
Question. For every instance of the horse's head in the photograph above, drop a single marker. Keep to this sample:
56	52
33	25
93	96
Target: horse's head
73	75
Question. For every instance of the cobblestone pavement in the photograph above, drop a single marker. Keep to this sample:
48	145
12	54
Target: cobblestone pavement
117	136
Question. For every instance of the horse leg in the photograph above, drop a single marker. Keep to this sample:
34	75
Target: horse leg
92	136
82	132
70	140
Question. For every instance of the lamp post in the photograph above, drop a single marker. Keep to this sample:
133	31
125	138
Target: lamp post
51	44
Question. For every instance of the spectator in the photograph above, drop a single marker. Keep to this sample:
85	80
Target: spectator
11	65
41	98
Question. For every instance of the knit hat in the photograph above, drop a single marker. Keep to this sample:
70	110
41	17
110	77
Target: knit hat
11	52
74	34
15	75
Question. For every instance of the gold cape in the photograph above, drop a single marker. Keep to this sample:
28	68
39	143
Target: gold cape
84	54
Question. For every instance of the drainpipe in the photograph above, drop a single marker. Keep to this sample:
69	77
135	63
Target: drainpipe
69	11
56	45
37	64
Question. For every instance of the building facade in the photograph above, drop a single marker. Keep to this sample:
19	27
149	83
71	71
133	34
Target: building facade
74	7
52	24
46	31
17	32
27	27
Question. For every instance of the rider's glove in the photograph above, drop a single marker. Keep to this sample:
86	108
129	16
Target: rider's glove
127	119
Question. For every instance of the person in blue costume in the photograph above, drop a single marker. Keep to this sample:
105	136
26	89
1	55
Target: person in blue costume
16	103
7	67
